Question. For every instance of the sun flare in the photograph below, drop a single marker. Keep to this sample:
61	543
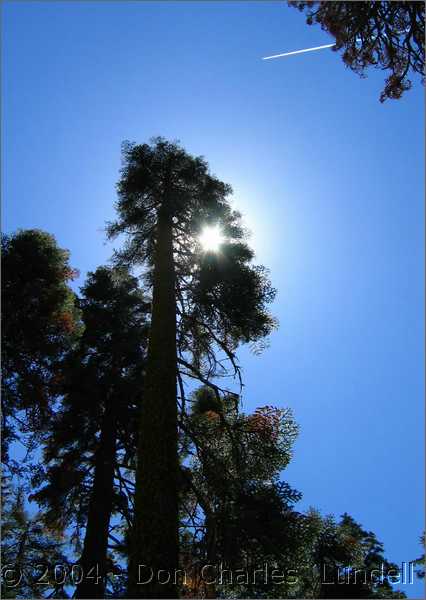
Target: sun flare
211	238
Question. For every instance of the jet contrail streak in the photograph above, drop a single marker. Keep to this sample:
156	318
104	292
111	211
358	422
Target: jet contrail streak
298	51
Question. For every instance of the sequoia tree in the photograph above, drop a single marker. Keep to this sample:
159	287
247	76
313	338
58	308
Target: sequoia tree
202	304
387	35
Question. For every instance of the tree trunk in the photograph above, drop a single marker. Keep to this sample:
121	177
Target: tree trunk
211	541
94	556
155	532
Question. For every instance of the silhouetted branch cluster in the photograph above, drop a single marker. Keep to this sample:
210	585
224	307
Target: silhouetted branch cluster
387	35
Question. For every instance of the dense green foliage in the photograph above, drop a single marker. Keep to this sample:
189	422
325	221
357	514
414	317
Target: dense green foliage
237	511
386	35
94	433
39	324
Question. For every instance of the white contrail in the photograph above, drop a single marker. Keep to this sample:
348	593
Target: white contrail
298	51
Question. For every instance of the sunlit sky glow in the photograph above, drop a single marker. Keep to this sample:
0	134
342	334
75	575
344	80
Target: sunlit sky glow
211	238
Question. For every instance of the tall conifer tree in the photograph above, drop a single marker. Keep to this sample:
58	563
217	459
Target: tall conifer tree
101	383
40	321
202	304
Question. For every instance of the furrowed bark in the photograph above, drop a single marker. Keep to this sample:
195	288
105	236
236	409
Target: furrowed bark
94	556
155	532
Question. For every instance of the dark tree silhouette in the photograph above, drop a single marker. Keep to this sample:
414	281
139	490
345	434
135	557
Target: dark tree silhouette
93	435
238	512
420	562
39	324
199	303
115	337
30	550
387	35
241	516
339	559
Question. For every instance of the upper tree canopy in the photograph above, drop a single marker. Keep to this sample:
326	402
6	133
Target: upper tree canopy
221	297
40	320
387	35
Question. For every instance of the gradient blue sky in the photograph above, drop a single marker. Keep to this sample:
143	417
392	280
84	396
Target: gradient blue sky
330	182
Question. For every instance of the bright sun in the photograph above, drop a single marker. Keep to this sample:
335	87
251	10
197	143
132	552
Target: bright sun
211	238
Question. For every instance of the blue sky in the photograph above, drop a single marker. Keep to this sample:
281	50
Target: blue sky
330	182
